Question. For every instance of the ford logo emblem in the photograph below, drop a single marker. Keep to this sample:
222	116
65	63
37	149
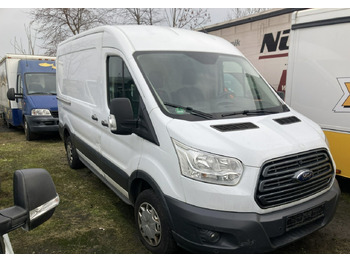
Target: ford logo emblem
303	175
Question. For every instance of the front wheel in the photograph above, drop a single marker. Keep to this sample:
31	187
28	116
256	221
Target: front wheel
29	135
152	223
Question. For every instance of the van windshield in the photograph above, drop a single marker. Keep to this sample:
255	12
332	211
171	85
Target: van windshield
207	85
40	83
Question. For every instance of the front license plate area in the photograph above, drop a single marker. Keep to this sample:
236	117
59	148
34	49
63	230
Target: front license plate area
305	217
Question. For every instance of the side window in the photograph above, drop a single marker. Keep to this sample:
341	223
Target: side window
19	84
120	83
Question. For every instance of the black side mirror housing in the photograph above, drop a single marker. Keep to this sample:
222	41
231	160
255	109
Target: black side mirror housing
12	95
121	117
35	200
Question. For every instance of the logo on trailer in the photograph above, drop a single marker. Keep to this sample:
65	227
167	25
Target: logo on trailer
274	44
343	104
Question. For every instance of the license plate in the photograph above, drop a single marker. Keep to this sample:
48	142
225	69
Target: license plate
304	217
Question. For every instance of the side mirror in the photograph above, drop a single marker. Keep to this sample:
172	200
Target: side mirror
12	95
35	200
121	120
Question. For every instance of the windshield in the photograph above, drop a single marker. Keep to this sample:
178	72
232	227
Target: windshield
40	83
207	85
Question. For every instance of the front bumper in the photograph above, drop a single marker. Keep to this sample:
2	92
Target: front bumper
42	124
249	232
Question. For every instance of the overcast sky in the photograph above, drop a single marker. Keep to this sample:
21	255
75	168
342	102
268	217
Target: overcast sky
12	21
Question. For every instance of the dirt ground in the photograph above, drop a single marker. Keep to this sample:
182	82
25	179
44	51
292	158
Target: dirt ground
332	239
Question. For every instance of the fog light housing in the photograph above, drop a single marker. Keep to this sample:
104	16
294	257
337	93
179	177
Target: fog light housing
209	236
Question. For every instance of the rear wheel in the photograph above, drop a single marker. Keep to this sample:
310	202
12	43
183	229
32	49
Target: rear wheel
152	223
72	155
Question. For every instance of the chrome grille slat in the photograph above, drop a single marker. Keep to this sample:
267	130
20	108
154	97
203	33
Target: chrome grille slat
286	180
290	163
301	194
277	185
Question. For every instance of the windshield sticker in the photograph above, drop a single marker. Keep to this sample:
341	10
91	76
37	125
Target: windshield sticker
48	65
343	104
180	111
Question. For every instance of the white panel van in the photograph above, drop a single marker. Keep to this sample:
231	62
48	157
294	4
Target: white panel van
182	127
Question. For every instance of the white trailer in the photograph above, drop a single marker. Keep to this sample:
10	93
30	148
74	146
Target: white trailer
264	39
318	79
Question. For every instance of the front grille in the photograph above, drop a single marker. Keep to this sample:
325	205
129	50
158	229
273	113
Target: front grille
54	114
277	183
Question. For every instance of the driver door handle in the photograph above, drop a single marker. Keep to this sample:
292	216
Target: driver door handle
104	123
94	117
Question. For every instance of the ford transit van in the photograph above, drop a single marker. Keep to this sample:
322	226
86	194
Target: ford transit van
183	128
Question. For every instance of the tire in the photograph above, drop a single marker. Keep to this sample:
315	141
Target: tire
72	155
29	135
152	223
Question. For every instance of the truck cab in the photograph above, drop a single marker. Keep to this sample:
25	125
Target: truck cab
33	96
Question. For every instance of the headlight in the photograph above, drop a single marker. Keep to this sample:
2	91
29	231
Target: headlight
41	112
208	167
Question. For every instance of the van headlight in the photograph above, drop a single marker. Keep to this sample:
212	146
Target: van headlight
207	167
41	112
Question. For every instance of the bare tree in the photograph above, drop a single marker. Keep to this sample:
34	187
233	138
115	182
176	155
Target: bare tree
241	12
187	17
57	24
141	16
31	43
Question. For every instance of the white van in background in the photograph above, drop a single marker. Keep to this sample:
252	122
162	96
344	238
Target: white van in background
318	78
181	126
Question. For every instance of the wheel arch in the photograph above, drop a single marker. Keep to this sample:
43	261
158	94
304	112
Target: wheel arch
140	181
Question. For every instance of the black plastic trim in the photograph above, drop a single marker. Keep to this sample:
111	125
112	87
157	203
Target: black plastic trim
145	127
113	171
333	21
235	127
246	232
287	120
139	174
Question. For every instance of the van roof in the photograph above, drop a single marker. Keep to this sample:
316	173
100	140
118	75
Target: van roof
159	38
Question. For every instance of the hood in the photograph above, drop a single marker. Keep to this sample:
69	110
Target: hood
42	102
252	140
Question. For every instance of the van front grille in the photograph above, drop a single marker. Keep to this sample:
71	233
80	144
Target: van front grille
279	184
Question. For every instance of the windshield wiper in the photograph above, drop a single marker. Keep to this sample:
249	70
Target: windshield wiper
250	112
190	110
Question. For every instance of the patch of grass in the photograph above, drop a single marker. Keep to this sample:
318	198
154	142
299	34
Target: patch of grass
90	217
